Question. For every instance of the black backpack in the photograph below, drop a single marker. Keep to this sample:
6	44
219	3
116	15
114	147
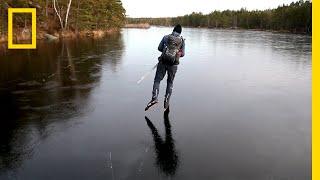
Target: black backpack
170	53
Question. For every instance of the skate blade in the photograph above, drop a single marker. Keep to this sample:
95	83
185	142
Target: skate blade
149	106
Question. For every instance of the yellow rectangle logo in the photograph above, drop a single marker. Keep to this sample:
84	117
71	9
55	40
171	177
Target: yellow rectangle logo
33	44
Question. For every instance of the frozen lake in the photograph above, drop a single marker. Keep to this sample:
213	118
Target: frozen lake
240	109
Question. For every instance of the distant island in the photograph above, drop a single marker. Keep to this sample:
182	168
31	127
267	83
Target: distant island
138	25
295	18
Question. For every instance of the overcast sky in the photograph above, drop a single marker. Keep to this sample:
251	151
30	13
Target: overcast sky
171	8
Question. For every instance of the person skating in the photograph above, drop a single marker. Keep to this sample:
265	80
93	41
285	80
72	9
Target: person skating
172	47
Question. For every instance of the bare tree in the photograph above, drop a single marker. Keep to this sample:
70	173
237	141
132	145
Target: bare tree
58	14
65	23
67	15
46	8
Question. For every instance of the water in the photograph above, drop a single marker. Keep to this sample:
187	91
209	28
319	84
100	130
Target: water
241	109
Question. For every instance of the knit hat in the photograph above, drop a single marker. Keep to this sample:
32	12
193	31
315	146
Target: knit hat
177	29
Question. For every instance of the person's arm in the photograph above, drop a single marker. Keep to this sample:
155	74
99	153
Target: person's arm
161	45
182	49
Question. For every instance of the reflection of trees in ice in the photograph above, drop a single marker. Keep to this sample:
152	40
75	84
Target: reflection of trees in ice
49	86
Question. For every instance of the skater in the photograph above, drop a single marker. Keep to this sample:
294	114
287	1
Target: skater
172	47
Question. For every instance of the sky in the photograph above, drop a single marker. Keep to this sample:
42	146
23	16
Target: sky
172	8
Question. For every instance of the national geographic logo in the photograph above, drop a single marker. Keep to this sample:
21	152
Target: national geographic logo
11	12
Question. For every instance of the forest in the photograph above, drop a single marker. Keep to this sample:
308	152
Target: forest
65	15
56	16
295	17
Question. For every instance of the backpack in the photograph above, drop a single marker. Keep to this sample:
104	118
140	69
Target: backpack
170	52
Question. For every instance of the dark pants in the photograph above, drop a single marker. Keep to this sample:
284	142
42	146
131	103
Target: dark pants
162	69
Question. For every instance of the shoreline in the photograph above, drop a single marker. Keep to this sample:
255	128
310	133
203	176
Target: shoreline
142	26
138	26
243	29
43	35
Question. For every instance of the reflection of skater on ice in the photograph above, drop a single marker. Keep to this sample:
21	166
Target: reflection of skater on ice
167	158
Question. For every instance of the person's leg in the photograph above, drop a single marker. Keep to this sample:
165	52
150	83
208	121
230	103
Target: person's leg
160	73
171	74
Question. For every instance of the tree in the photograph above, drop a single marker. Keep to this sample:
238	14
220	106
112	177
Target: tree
295	17
64	24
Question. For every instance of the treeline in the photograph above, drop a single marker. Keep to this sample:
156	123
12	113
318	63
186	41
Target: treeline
66	15
295	17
